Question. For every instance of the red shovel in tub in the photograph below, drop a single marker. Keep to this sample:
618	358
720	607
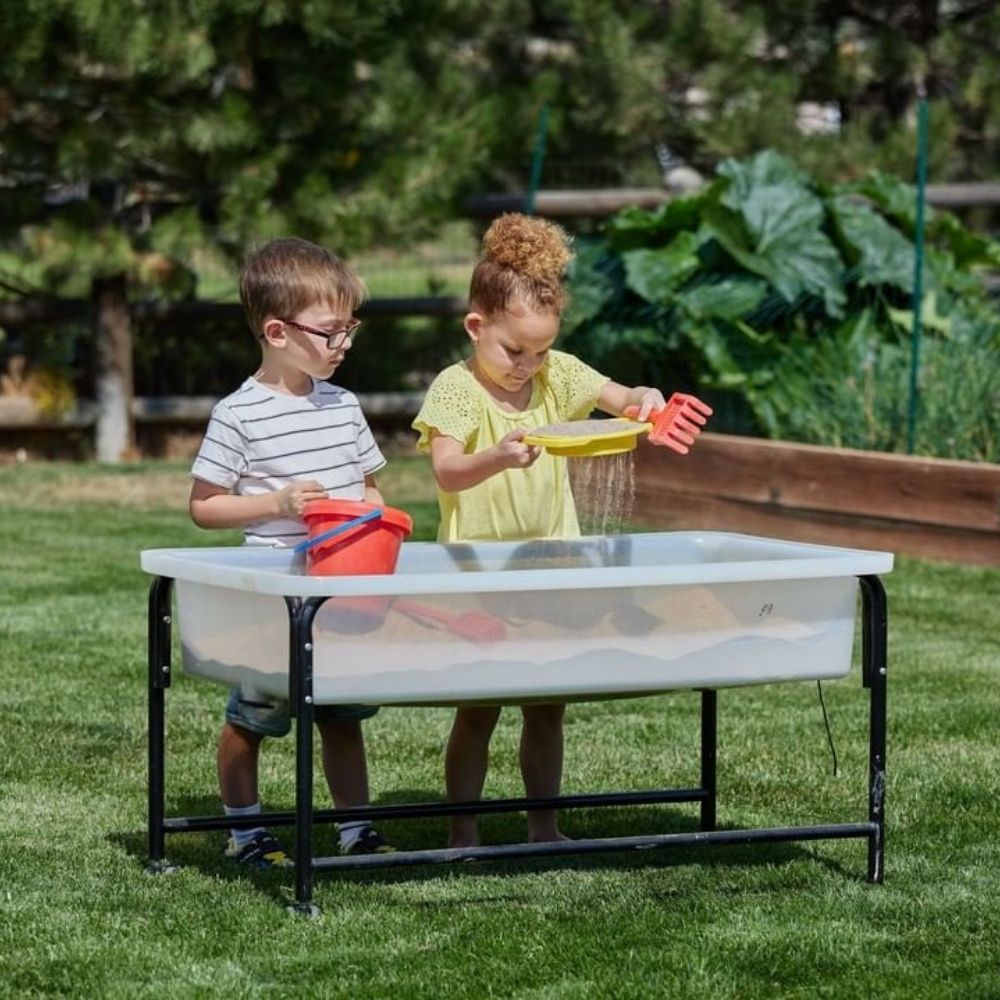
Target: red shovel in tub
473	625
678	423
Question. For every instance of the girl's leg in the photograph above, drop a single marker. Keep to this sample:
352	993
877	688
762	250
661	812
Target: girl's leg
541	765
465	762
344	762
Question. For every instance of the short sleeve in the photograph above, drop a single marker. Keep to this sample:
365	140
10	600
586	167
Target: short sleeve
222	457
369	454
452	407
575	385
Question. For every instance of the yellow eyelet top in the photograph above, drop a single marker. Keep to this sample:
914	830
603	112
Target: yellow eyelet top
517	504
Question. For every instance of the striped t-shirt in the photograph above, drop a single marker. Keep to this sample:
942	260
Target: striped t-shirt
259	441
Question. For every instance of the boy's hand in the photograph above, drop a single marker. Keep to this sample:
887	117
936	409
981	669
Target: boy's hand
514	453
293	498
649	402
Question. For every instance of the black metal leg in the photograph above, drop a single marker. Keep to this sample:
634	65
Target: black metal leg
709	745
874	671
300	617
159	680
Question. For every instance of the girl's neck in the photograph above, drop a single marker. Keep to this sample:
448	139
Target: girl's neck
515	401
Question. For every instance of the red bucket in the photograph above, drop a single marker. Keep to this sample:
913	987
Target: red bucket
365	550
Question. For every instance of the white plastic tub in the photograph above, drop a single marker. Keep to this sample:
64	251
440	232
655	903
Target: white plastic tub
594	618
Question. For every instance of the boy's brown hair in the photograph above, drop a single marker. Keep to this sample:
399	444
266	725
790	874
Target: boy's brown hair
284	276
522	262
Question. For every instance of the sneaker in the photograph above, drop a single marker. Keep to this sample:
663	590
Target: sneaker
263	851
370	842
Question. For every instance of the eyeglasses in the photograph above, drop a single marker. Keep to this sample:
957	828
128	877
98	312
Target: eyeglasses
334	338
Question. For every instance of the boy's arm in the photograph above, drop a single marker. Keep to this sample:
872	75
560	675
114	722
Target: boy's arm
456	471
372	493
615	398
213	506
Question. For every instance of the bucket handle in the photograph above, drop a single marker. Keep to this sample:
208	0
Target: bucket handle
339	530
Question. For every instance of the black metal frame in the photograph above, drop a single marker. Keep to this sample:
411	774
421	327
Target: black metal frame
302	611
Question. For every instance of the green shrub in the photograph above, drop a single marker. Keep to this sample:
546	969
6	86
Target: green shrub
788	304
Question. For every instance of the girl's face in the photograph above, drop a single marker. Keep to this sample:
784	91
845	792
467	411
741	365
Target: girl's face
511	346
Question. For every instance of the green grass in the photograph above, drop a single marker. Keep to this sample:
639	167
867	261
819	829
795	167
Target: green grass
79	916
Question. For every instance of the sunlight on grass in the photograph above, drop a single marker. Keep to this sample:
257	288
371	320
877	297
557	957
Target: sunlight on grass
79	916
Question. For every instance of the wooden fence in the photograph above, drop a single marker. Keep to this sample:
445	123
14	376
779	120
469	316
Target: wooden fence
926	507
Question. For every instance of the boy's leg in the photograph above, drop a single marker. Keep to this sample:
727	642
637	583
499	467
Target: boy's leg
239	750
465	762
249	718
541	766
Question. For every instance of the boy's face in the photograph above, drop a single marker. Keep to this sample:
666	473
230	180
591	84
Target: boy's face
302	338
512	346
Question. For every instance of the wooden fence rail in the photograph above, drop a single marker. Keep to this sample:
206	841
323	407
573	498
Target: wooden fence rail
927	507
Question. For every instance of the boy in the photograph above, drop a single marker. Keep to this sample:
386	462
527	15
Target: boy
286	437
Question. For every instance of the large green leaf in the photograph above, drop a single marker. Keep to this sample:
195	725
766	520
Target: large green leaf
655	274
730	297
969	248
895	197
783	225
763	170
637	227
884	254
798	262
592	285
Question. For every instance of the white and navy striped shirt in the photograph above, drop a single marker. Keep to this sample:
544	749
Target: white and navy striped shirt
259	441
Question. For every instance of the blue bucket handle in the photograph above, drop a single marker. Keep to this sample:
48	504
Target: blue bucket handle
339	530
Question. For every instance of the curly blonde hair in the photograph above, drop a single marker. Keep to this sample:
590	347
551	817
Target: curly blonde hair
522	261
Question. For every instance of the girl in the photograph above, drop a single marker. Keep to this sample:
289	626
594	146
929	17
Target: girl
494	487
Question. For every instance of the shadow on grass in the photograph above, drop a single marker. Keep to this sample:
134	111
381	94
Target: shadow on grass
202	850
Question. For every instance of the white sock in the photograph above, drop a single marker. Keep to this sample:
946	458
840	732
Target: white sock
350	832
243	837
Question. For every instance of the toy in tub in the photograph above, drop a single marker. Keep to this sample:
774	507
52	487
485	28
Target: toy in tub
547	620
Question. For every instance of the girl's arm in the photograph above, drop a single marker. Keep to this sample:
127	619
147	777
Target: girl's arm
214	507
455	471
615	398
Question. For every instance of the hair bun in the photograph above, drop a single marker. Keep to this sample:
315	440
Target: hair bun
533	247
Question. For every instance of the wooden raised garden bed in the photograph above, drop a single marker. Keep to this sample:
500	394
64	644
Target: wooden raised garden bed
926	507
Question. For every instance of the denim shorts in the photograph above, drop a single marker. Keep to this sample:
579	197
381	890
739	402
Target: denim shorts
266	716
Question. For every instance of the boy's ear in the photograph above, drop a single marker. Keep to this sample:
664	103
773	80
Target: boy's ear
273	332
474	325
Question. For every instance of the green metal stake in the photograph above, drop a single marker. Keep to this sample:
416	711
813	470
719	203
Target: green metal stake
537	158
918	268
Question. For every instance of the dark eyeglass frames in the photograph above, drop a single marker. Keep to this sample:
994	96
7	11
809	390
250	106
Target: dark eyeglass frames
334	338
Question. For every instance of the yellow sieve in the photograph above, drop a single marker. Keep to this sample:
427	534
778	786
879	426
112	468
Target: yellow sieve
620	436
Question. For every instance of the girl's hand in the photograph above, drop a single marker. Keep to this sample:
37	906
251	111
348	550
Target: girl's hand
514	453
293	498
649	402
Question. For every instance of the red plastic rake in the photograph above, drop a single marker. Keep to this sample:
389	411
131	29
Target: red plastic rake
678	423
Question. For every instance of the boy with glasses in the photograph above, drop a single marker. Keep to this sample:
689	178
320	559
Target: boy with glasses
284	438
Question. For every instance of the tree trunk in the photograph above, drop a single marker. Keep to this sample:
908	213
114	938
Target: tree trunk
113	383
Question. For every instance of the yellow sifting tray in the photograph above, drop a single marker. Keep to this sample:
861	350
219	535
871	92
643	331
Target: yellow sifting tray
621	436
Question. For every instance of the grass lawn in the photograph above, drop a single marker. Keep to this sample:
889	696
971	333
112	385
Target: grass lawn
79	916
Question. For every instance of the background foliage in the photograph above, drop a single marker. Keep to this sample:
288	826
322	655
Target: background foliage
153	142
790	301
158	139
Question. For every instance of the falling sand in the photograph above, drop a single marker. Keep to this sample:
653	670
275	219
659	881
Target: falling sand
604	492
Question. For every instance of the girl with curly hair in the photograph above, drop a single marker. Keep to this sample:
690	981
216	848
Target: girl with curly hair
492	486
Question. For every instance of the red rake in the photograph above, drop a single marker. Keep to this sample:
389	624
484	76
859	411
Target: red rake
678	423
477	626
